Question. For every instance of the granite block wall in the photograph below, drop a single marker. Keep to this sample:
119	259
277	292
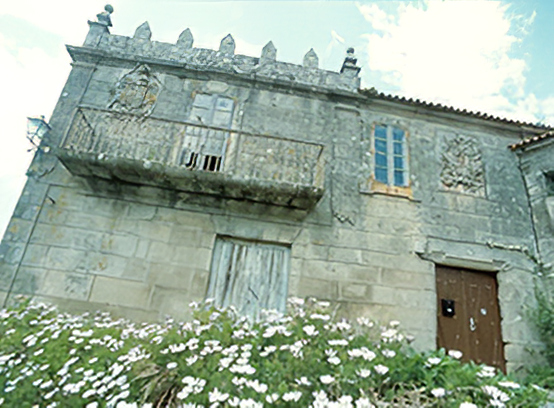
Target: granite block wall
145	251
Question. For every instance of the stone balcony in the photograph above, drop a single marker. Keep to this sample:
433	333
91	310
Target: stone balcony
193	158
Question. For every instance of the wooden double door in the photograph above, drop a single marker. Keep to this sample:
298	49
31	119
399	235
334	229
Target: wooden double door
469	316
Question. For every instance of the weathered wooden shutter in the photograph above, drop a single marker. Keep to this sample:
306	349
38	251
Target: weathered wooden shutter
249	275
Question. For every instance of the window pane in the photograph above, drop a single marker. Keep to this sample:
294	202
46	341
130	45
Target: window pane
380	160
381	146
381	175
390	151
398	149
399	178
380	132
398	163
397	134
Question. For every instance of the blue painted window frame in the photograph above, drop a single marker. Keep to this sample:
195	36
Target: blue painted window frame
390	155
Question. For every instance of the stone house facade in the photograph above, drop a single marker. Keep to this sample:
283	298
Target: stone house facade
173	173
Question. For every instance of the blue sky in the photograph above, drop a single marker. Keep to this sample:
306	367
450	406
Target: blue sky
493	56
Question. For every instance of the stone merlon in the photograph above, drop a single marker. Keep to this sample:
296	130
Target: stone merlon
100	44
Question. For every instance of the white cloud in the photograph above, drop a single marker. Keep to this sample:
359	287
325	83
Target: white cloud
453	52
378	18
541	110
246	48
336	37
547	110
66	18
31	81
11	187
337	42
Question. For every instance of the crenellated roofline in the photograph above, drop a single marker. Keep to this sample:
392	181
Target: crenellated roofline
102	47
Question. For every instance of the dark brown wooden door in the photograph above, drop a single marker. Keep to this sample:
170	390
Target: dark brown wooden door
469	316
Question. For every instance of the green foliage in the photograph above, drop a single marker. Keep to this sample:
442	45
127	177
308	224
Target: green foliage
542	376
303	359
542	316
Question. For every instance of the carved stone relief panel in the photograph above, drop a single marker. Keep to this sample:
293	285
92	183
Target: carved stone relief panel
462	166
136	92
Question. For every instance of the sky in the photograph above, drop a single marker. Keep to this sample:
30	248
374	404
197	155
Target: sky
481	55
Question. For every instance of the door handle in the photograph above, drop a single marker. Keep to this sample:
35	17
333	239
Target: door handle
472	325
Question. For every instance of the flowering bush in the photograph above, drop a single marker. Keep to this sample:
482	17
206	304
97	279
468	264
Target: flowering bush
303	359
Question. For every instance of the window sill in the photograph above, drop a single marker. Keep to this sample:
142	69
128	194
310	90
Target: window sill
371	187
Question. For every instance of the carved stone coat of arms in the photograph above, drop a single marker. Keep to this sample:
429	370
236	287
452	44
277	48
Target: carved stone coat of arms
462	166
136	92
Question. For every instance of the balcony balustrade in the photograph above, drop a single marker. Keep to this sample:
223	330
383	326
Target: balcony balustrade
193	158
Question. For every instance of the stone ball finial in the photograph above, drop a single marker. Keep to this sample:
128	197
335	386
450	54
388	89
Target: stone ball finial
104	17
350	57
349	66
